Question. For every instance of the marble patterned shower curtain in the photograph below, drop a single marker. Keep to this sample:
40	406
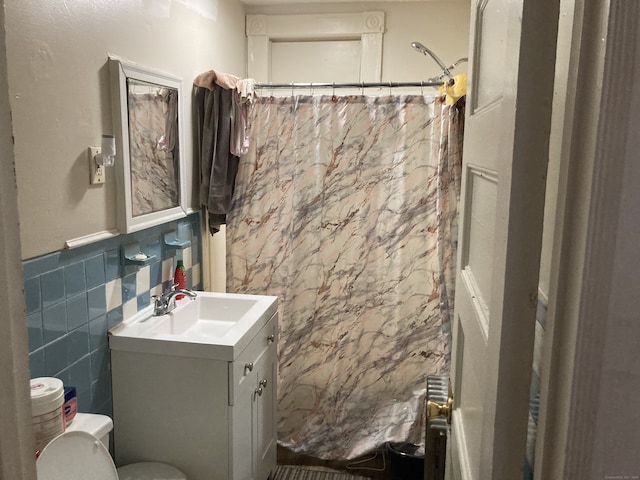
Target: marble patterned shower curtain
345	209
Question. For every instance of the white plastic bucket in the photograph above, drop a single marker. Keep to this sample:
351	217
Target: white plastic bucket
47	413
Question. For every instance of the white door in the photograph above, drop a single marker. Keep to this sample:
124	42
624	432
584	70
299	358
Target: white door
505	158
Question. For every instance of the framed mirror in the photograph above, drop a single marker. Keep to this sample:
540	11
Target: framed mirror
147	122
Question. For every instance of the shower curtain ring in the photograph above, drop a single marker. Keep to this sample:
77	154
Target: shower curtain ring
421	88
390	85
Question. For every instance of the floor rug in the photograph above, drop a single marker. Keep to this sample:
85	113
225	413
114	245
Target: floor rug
286	472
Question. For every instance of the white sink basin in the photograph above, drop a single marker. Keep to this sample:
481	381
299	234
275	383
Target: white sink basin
214	325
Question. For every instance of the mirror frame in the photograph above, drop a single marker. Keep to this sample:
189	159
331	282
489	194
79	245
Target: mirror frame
120	71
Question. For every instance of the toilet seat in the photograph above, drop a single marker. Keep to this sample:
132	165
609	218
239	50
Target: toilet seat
75	456
149	471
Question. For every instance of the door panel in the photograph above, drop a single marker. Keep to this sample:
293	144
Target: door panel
490	52
479	229
502	201
471	345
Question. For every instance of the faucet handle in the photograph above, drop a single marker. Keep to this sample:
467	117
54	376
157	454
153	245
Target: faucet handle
158	304
172	287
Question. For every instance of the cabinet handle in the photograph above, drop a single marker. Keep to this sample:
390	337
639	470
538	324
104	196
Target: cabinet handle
271	338
263	383
259	391
249	367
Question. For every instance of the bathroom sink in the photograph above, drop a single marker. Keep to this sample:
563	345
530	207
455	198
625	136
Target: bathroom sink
213	325
206	317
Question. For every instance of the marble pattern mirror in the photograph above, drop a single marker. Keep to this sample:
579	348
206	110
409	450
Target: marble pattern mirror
147	121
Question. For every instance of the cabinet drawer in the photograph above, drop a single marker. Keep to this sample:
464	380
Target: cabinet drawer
240	370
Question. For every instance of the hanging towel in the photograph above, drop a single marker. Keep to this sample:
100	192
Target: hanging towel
243	98
211	78
455	92
247	90
218	166
239	126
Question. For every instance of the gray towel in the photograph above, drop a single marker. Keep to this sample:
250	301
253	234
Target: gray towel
218	167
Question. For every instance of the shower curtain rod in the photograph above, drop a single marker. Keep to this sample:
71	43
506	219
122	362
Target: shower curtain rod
349	85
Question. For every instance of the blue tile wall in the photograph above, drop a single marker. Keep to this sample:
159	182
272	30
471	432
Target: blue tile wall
534	391
69	311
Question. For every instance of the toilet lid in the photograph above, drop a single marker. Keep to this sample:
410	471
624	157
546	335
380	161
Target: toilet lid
75	456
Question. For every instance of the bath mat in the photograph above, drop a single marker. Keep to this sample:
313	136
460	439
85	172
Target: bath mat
287	472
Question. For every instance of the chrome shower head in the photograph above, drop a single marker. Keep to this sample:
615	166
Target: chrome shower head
425	51
419	47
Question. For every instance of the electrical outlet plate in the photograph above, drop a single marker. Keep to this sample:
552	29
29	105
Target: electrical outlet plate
96	172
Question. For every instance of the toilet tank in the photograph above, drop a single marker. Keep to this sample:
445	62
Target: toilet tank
99	426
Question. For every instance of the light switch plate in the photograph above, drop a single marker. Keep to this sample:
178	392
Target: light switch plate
96	172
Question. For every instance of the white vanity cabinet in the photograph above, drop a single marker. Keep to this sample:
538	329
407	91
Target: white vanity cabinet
213	419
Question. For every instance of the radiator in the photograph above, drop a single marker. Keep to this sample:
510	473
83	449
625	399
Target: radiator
438	407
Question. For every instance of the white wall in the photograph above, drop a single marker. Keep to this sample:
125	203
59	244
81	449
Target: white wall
442	26
60	95
16	436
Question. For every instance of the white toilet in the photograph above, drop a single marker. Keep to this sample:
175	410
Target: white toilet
81	454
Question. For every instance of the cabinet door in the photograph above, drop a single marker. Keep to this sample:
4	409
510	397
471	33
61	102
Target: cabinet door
252	431
241	433
265	404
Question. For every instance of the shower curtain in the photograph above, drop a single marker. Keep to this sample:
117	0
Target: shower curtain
345	208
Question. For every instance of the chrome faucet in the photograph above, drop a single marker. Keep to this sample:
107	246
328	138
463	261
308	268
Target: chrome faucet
163	304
